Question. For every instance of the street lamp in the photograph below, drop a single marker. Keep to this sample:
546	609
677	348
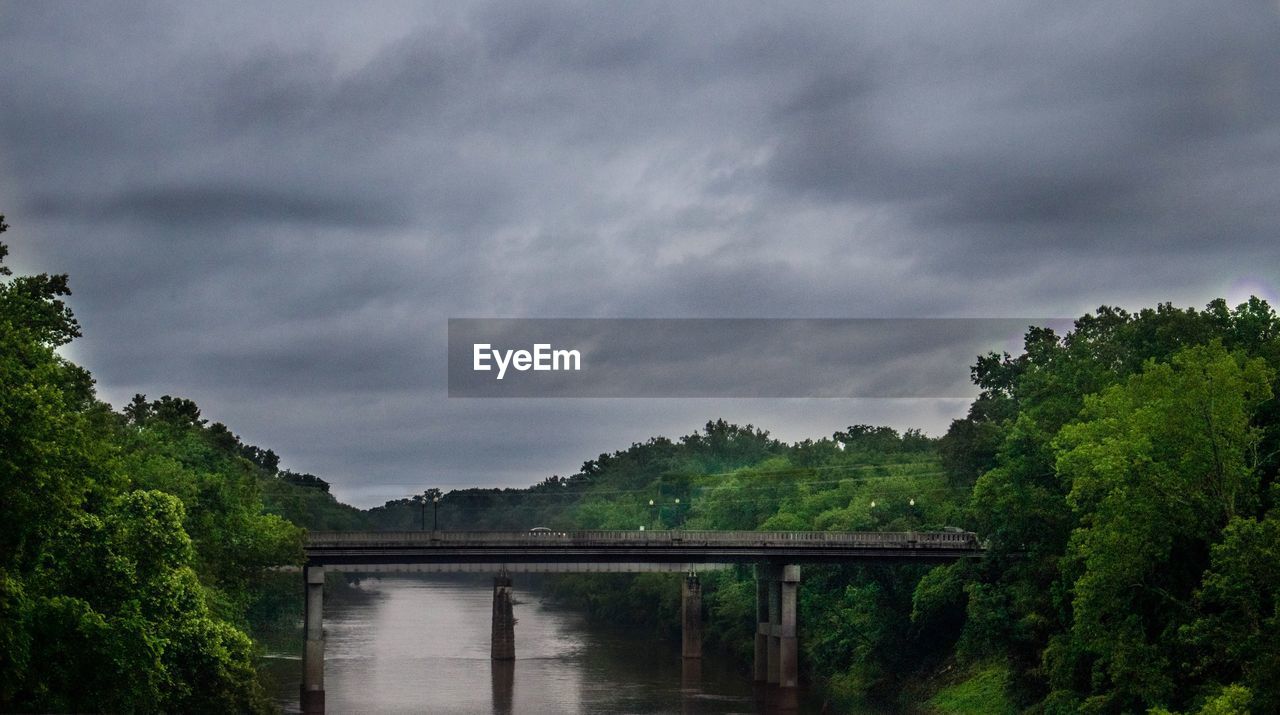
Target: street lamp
433	496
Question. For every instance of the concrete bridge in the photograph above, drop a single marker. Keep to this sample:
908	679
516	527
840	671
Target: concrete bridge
776	555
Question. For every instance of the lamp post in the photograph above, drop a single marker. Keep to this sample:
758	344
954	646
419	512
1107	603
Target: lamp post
433	496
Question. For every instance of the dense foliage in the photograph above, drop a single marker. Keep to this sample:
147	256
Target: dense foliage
1121	468
134	546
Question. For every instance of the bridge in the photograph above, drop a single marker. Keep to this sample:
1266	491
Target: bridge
776	555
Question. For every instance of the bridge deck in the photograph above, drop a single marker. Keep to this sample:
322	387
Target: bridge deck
632	547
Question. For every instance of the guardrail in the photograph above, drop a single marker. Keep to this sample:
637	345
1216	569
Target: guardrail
551	539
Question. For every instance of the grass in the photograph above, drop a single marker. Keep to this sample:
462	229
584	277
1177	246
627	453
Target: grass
983	691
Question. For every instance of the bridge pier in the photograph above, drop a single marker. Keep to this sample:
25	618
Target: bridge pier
311	693
691	616
788	646
775	623
504	622
777	648
761	660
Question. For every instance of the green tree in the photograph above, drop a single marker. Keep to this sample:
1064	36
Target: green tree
1235	633
1157	467
103	600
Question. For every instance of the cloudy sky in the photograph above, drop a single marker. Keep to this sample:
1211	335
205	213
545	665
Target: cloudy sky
273	210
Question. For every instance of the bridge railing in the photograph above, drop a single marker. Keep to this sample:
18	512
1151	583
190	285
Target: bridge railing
867	539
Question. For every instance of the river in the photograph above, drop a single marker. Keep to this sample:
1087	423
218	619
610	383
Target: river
420	644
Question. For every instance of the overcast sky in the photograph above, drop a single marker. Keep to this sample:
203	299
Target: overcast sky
274	208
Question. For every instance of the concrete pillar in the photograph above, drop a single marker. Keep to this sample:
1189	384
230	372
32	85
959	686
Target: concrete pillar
311	693
504	622
691	616
788	647
775	624
761	662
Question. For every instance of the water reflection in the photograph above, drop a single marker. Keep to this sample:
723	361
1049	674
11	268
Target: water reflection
782	701
690	684
413	644
503	673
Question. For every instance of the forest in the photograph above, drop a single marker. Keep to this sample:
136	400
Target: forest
1123	475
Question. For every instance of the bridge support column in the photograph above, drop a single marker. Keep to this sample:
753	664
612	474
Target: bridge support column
691	616
788	646
775	623
311	693
504	622
761	661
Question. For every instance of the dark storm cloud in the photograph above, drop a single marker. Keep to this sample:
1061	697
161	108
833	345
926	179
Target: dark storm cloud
1097	121
274	209
204	204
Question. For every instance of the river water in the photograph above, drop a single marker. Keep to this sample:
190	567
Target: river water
420	644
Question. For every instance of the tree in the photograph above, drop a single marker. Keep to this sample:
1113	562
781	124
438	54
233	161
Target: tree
1234	635
103	602
1157	467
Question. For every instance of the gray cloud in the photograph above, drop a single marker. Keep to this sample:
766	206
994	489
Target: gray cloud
274	209
177	206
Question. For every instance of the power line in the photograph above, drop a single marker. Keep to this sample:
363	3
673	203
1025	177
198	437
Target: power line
710	490
736	472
